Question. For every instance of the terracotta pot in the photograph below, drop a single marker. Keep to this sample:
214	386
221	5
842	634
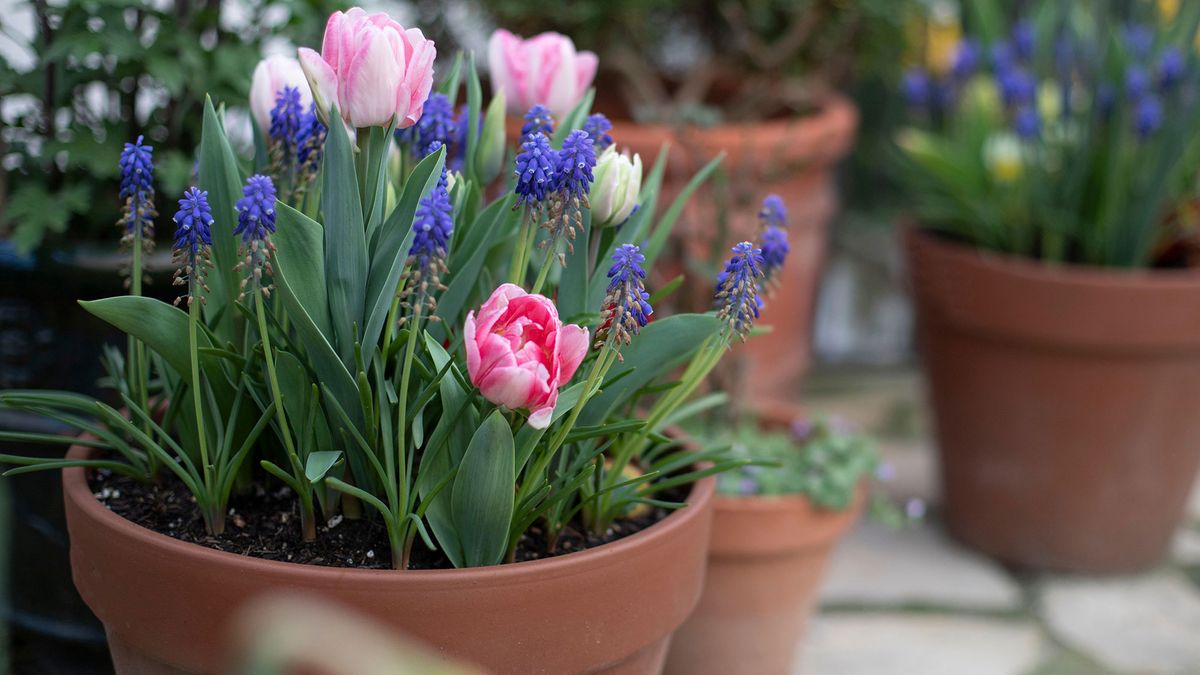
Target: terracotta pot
1065	400
795	158
765	563
766	559
165	604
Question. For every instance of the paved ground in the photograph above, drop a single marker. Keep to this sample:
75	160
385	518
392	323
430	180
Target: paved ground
914	601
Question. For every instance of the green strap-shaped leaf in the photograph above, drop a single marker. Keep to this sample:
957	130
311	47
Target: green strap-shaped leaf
395	235
482	501
299	246
661	347
221	178
345	242
452	431
162	327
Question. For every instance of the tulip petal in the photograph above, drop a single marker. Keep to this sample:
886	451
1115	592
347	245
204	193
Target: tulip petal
571	348
322	80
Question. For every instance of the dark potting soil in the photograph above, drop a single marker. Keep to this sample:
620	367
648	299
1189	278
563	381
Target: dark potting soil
264	523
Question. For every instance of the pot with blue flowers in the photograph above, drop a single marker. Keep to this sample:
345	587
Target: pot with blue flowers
371	365
1054	179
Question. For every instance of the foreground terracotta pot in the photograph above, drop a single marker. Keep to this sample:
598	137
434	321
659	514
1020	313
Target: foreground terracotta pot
765	564
166	604
1066	404
796	158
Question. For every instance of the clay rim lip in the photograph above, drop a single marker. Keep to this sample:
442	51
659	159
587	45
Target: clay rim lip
1065	274
75	489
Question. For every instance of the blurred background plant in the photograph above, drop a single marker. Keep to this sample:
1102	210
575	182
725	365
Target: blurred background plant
79	79
1063	131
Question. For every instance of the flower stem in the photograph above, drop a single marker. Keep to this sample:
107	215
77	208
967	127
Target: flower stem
216	523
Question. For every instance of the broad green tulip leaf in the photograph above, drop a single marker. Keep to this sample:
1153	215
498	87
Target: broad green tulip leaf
220	177
345	242
482	501
298	257
161	326
394	239
661	347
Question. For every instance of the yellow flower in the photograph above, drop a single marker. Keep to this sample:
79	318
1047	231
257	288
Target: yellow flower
1002	156
942	36
1049	101
1167	10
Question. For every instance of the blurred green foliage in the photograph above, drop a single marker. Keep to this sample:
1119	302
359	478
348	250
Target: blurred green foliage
105	71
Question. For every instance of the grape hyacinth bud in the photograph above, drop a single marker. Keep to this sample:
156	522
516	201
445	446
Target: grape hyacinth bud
774	252
193	237
1170	68
916	87
310	144
626	304
597	127
1017	87
537	120
535	170
573	178
282	135
137	188
1023	39
773	212
1027	123
1137	83
737	298
966	59
256	221
437	124
1148	116
1139	40
433	226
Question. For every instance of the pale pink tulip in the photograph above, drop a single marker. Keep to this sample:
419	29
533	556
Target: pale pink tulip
271	75
371	68
544	69
519	353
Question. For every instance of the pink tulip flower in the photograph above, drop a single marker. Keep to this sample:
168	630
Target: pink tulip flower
519	353
372	69
544	69
271	75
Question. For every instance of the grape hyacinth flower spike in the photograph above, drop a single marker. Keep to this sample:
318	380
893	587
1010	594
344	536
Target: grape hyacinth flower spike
137	188
737	298
572	182
193	238
535	168
256	222
432	228
774	240
626	304
437	125
537	120
310	144
597	127
285	127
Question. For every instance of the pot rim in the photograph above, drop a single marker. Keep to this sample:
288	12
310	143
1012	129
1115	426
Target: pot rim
75	488
835	108
1066	274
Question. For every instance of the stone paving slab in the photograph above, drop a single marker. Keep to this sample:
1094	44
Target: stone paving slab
915	566
883	643
1141	624
909	471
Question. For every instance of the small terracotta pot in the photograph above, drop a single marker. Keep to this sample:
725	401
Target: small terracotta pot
795	158
766	559
166	604
765	563
1065	400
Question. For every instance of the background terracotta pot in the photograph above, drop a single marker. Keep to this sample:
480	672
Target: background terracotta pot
1066	404
765	563
795	158
165	604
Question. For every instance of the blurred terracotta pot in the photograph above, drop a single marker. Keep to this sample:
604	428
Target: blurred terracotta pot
1065	400
166	604
766	559
796	158
765	564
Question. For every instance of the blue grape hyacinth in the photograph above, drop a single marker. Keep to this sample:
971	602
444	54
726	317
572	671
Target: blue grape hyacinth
137	188
437	124
737	300
535	170
597	127
310	143
537	121
573	171
285	117
626	304
256	221
433	226
193	237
